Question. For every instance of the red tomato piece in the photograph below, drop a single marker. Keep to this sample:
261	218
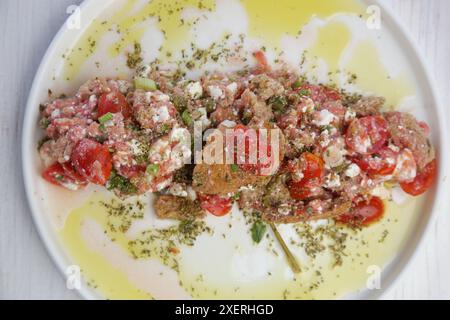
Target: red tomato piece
382	163
215	204
92	160
364	212
261	59
304	189
320	94
423	181
64	175
367	135
113	102
310	165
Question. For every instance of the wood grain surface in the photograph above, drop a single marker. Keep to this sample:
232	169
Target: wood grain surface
27	28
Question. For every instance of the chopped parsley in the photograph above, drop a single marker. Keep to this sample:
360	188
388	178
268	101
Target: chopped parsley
118	182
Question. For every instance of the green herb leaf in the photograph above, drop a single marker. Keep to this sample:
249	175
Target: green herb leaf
145	84
187	119
234	167
297	84
258	231
105	118
152	169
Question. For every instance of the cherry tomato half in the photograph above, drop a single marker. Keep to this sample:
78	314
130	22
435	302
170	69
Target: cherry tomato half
367	135
215	204
92	160
304	189
64	175
381	163
310	165
364	212
113	102
423	181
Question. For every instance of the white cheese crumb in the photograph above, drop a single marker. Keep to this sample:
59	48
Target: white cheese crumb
352	171
178	190
381	192
195	90
215	92
135	146
349	115
201	115
232	88
161	115
324	118
332	181
179	134
334	156
228	124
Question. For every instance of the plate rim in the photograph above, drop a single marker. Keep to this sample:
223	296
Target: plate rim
56	252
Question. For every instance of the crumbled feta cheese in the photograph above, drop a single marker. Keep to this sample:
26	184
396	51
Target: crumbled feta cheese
178	190
332	181
135	146
308	105
247	188
381	192
215	92
161	114
163	98
325	139
192	195
148	97
123	86
284	209
394	148
55	113
324	118
406	168
349	115
352	171
195	90
179	134
228	124
232	88
334	156
201	115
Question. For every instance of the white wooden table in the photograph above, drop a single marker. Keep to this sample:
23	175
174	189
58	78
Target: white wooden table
27	27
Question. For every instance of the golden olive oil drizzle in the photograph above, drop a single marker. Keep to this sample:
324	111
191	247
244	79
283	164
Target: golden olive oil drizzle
109	281
268	20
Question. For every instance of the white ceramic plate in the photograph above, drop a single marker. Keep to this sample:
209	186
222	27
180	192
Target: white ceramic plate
400	47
